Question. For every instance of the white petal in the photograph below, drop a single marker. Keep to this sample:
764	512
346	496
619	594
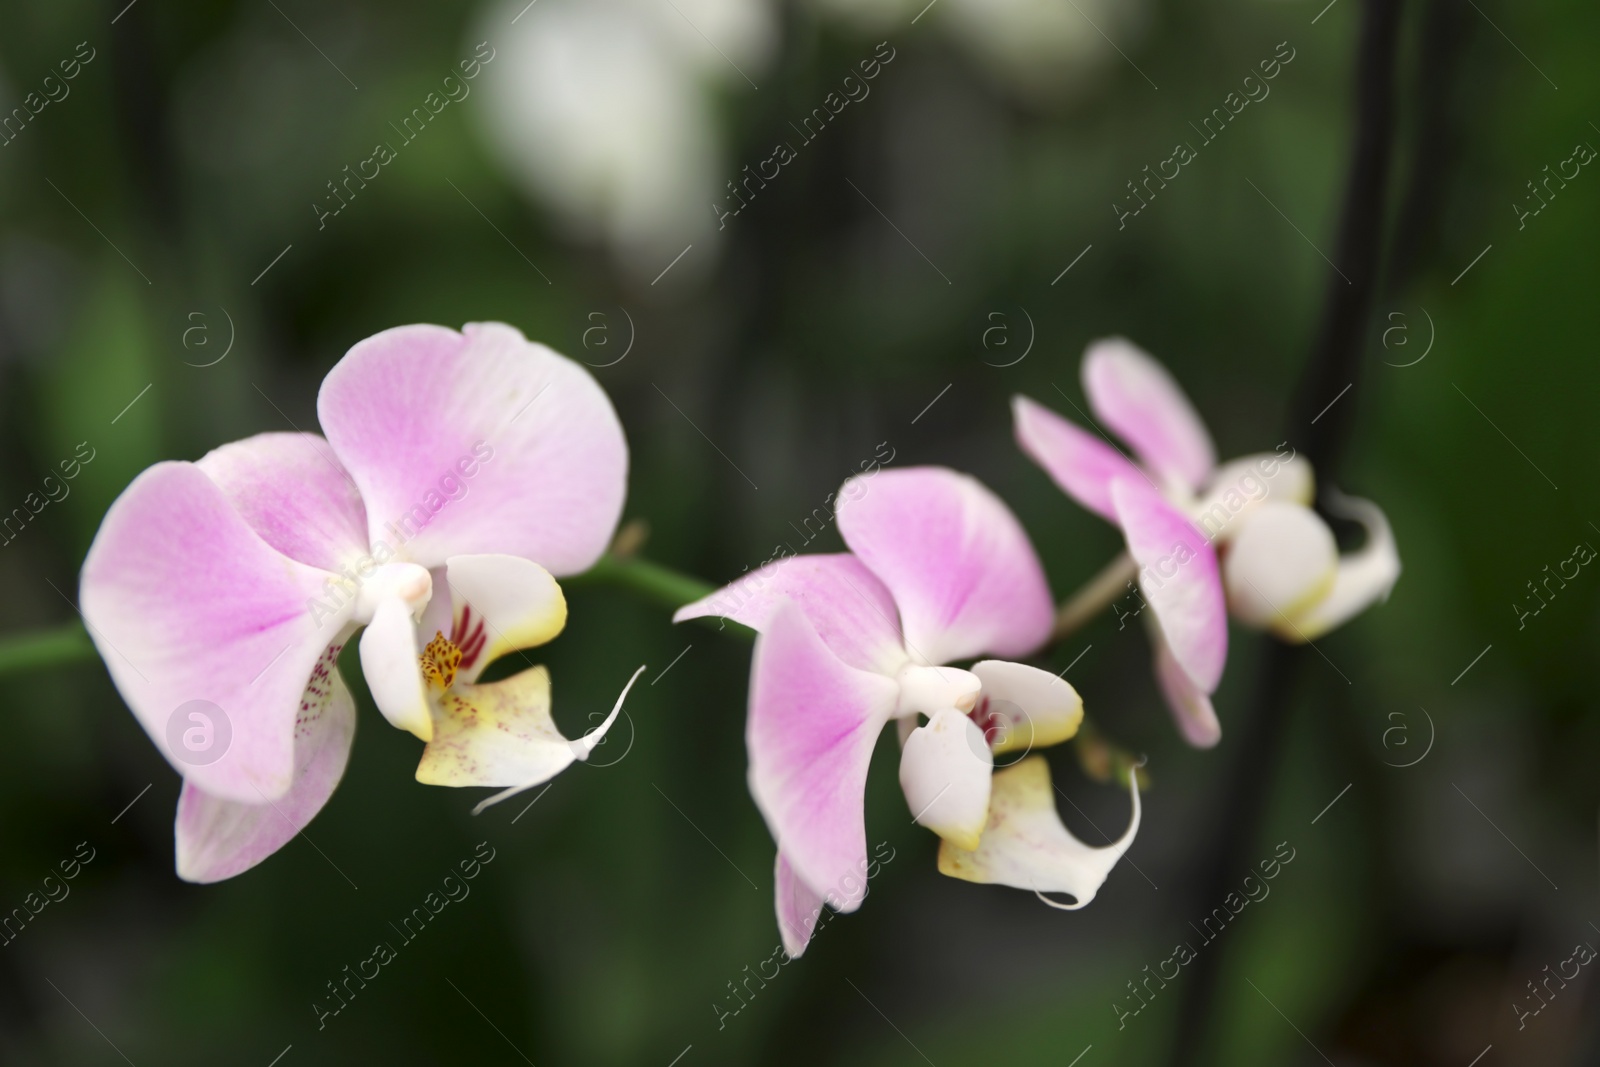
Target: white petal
501	604
926	690
501	734
1024	708
393	670
1282	562
945	771
1240	486
1025	845
1364	577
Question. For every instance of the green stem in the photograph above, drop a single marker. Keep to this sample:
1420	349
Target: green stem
68	643
665	586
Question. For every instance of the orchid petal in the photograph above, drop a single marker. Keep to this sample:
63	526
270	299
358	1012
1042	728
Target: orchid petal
1082	465
1282	562
292	491
1025	844
501	604
217	839
1136	396
955	558
1024	708
1191	706
1364	577
813	723
1242	485
846	603
797	906
945	769
392	666
186	602
503	732
1179	579
477	442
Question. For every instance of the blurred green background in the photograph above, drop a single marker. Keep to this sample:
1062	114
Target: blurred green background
150	201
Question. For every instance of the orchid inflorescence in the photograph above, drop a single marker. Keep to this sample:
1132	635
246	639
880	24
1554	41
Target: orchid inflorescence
459	475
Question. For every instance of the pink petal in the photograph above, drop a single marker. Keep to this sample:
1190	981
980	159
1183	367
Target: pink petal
850	609
956	560
218	839
1179	578
292	491
1136	396
1080	463
1191	707
797	906
477	442
186	602
813	723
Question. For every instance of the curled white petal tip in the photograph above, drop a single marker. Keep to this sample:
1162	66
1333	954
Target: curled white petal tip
586	744
1365	577
1025	844
579	749
1119	846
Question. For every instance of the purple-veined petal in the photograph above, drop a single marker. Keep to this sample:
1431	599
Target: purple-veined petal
1080	463
1026	846
797	906
186	602
1178	577
945	769
957	562
477	442
217	839
500	604
1191	707
851	610
291	490
813	723
1022	708
1139	400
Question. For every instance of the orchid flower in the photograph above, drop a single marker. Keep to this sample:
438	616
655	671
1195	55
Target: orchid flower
938	571
1280	568
219	593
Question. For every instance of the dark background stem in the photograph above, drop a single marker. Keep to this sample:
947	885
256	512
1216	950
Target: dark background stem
1334	363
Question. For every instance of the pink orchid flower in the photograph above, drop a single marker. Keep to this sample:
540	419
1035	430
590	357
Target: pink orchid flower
220	593
938	571
1280	568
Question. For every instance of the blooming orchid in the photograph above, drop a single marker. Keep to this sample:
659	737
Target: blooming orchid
476	461
938	571
1280	568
